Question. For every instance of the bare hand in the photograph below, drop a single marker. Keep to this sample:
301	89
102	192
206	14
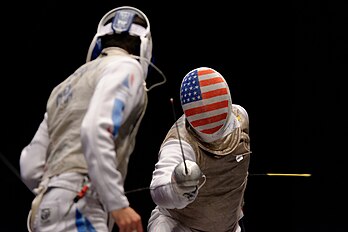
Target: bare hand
127	220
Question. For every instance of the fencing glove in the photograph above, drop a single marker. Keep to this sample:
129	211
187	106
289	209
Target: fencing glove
186	180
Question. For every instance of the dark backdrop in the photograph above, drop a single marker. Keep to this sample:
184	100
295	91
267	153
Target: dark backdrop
285	63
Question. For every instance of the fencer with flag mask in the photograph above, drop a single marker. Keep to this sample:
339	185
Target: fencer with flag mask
76	163
213	137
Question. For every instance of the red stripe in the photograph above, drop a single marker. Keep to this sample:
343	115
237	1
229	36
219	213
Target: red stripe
211	81
214	93
209	120
205	72
206	108
211	130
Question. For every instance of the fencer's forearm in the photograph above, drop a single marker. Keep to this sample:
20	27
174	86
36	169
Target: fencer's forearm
162	191
33	157
165	196
108	182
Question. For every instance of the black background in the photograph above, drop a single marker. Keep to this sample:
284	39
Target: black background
285	63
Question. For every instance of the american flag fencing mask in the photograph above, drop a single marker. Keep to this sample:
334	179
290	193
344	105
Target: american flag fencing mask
206	102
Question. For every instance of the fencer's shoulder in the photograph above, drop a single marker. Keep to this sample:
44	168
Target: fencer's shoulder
240	112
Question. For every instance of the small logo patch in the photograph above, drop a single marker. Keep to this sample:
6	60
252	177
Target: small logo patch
239	158
45	214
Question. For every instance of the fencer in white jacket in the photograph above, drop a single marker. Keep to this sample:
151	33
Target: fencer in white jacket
76	163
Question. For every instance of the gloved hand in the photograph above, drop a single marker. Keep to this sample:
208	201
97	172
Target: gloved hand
187	184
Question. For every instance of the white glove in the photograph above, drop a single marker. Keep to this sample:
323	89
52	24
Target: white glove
186	181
